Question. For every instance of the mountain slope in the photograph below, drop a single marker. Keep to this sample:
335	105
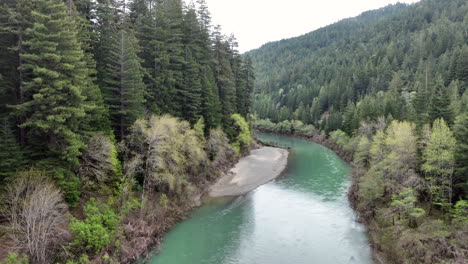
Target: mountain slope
316	77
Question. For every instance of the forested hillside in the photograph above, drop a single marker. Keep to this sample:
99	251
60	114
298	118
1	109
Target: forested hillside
115	111
388	62
388	91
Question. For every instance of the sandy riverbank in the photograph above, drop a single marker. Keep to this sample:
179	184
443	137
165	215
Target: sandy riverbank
260	167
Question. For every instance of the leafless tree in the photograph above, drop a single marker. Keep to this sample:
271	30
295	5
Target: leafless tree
220	152
35	214
97	166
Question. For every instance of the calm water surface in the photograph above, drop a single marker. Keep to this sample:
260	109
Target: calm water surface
302	217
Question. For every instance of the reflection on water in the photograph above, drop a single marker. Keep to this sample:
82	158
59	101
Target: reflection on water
302	217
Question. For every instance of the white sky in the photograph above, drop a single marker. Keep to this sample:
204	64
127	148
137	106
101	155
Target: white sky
256	22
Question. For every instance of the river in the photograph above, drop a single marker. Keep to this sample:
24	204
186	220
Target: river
302	217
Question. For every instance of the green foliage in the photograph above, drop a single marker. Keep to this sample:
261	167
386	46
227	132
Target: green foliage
14	258
439	161
371	186
163	200
76	74
165	153
460	211
340	138
405	202
440	105
84	259
120	74
361	154
461	155
402	70
243	136
11	157
98	229
286	127
199	129
54	68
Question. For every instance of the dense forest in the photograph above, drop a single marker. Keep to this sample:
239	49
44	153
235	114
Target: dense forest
114	115
388	91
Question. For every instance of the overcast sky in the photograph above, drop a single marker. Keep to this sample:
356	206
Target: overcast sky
256	22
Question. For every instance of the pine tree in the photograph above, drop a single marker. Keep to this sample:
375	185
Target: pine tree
10	154
420	104
190	92
120	73
55	72
191	88
210	105
148	24
126	103
97	116
248	75
175	78
15	18
350	119
161	93
461	156
225	79
440	103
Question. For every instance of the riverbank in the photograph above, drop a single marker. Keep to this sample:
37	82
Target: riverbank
237	181
260	167
297	218
395	236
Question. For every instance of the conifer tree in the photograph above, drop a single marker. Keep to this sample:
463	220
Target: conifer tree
461	156
15	18
55	74
120	72
225	80
126	101
190	92
440	102
210	105
10	154
175	78
97	116
148	22
248	76
162	92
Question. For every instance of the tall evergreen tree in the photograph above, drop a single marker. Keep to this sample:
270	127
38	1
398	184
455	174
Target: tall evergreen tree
55	73
120	73
148	21
191	89
440	102
10	154
15	18
461	156
211	107
175	48
97	116
248	76
225	79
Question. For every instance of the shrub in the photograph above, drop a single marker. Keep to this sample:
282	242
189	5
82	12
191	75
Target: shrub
97	230
243	137
14	258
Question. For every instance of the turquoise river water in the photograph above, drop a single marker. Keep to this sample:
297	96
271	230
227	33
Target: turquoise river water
302	217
